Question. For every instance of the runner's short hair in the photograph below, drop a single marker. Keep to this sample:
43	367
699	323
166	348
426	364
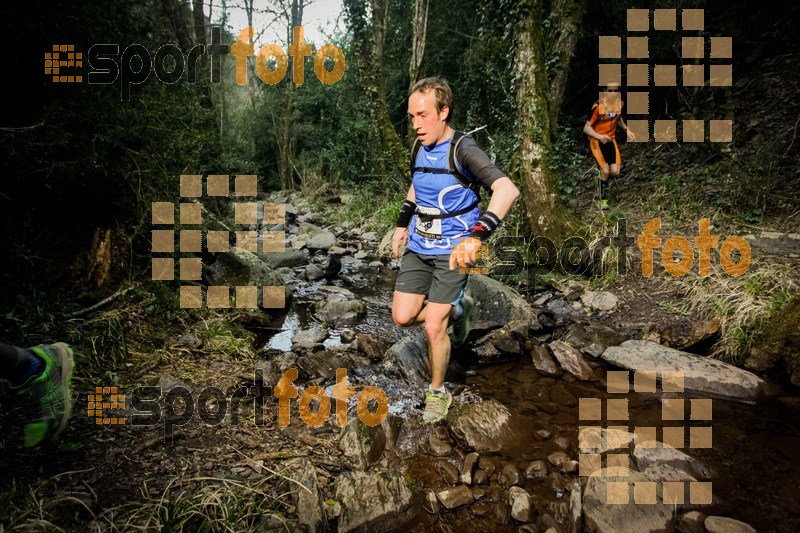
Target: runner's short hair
440	88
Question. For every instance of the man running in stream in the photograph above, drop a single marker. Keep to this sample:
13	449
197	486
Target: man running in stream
447	229
602	131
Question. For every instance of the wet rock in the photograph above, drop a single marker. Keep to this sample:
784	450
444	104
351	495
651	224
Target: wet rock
313	272
439	447
562	443
691	522
560	395
556	458
536	470
594	350
431	503
599	516
520	502
309	339
549	407
644	458
288	258
502	344
480	477
569	467
371	346
571	360
700	374
487	465
375	265
721	524
581	336
483	427
361	444
304	492
455	497
685	332
665	472
575	509
497	303
478	493
321	241
242	268
372	500
324	364
543	362
544	434
448	472
369	236
601	300
778	343
340	313
308	229
407	359
482	509
510	476
502	513
347	335
560	307
470	461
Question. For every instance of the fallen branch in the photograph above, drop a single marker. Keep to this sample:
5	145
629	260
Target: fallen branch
102	303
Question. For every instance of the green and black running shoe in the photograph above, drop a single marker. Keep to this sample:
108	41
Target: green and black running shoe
49	394
461	324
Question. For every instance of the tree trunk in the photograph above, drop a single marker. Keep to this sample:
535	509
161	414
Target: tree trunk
418	40
173	10
547	214
393	160
565	17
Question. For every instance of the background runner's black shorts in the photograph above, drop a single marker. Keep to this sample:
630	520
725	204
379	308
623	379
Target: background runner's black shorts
430	275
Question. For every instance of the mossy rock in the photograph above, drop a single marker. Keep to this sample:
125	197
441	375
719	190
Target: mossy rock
777	345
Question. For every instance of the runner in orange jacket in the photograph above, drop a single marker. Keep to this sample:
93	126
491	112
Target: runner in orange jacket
601	129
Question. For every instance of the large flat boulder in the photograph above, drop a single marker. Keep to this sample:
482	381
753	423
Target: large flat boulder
700	374
373	501
483	427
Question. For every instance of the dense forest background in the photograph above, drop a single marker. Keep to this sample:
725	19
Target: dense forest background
81	165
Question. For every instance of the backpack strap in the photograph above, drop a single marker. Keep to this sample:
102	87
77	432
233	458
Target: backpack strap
453	166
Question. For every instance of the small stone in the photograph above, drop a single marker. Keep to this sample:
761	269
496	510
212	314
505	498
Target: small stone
509	476
448	472
536	470
347	336
431	503
692	522
486	464
543	434
569	466
439	447
562	442
466	470
480	477
482	509
455	497
478	493
520	502
556	458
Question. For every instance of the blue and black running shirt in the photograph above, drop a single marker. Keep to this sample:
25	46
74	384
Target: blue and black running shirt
442	193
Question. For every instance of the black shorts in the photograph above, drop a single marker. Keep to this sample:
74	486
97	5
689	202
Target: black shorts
430	275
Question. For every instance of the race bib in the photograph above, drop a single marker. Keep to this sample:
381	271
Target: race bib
431	228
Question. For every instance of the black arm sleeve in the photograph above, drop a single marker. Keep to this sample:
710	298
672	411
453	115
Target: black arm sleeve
474	161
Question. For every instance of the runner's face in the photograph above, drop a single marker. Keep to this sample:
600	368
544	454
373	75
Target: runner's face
428	124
